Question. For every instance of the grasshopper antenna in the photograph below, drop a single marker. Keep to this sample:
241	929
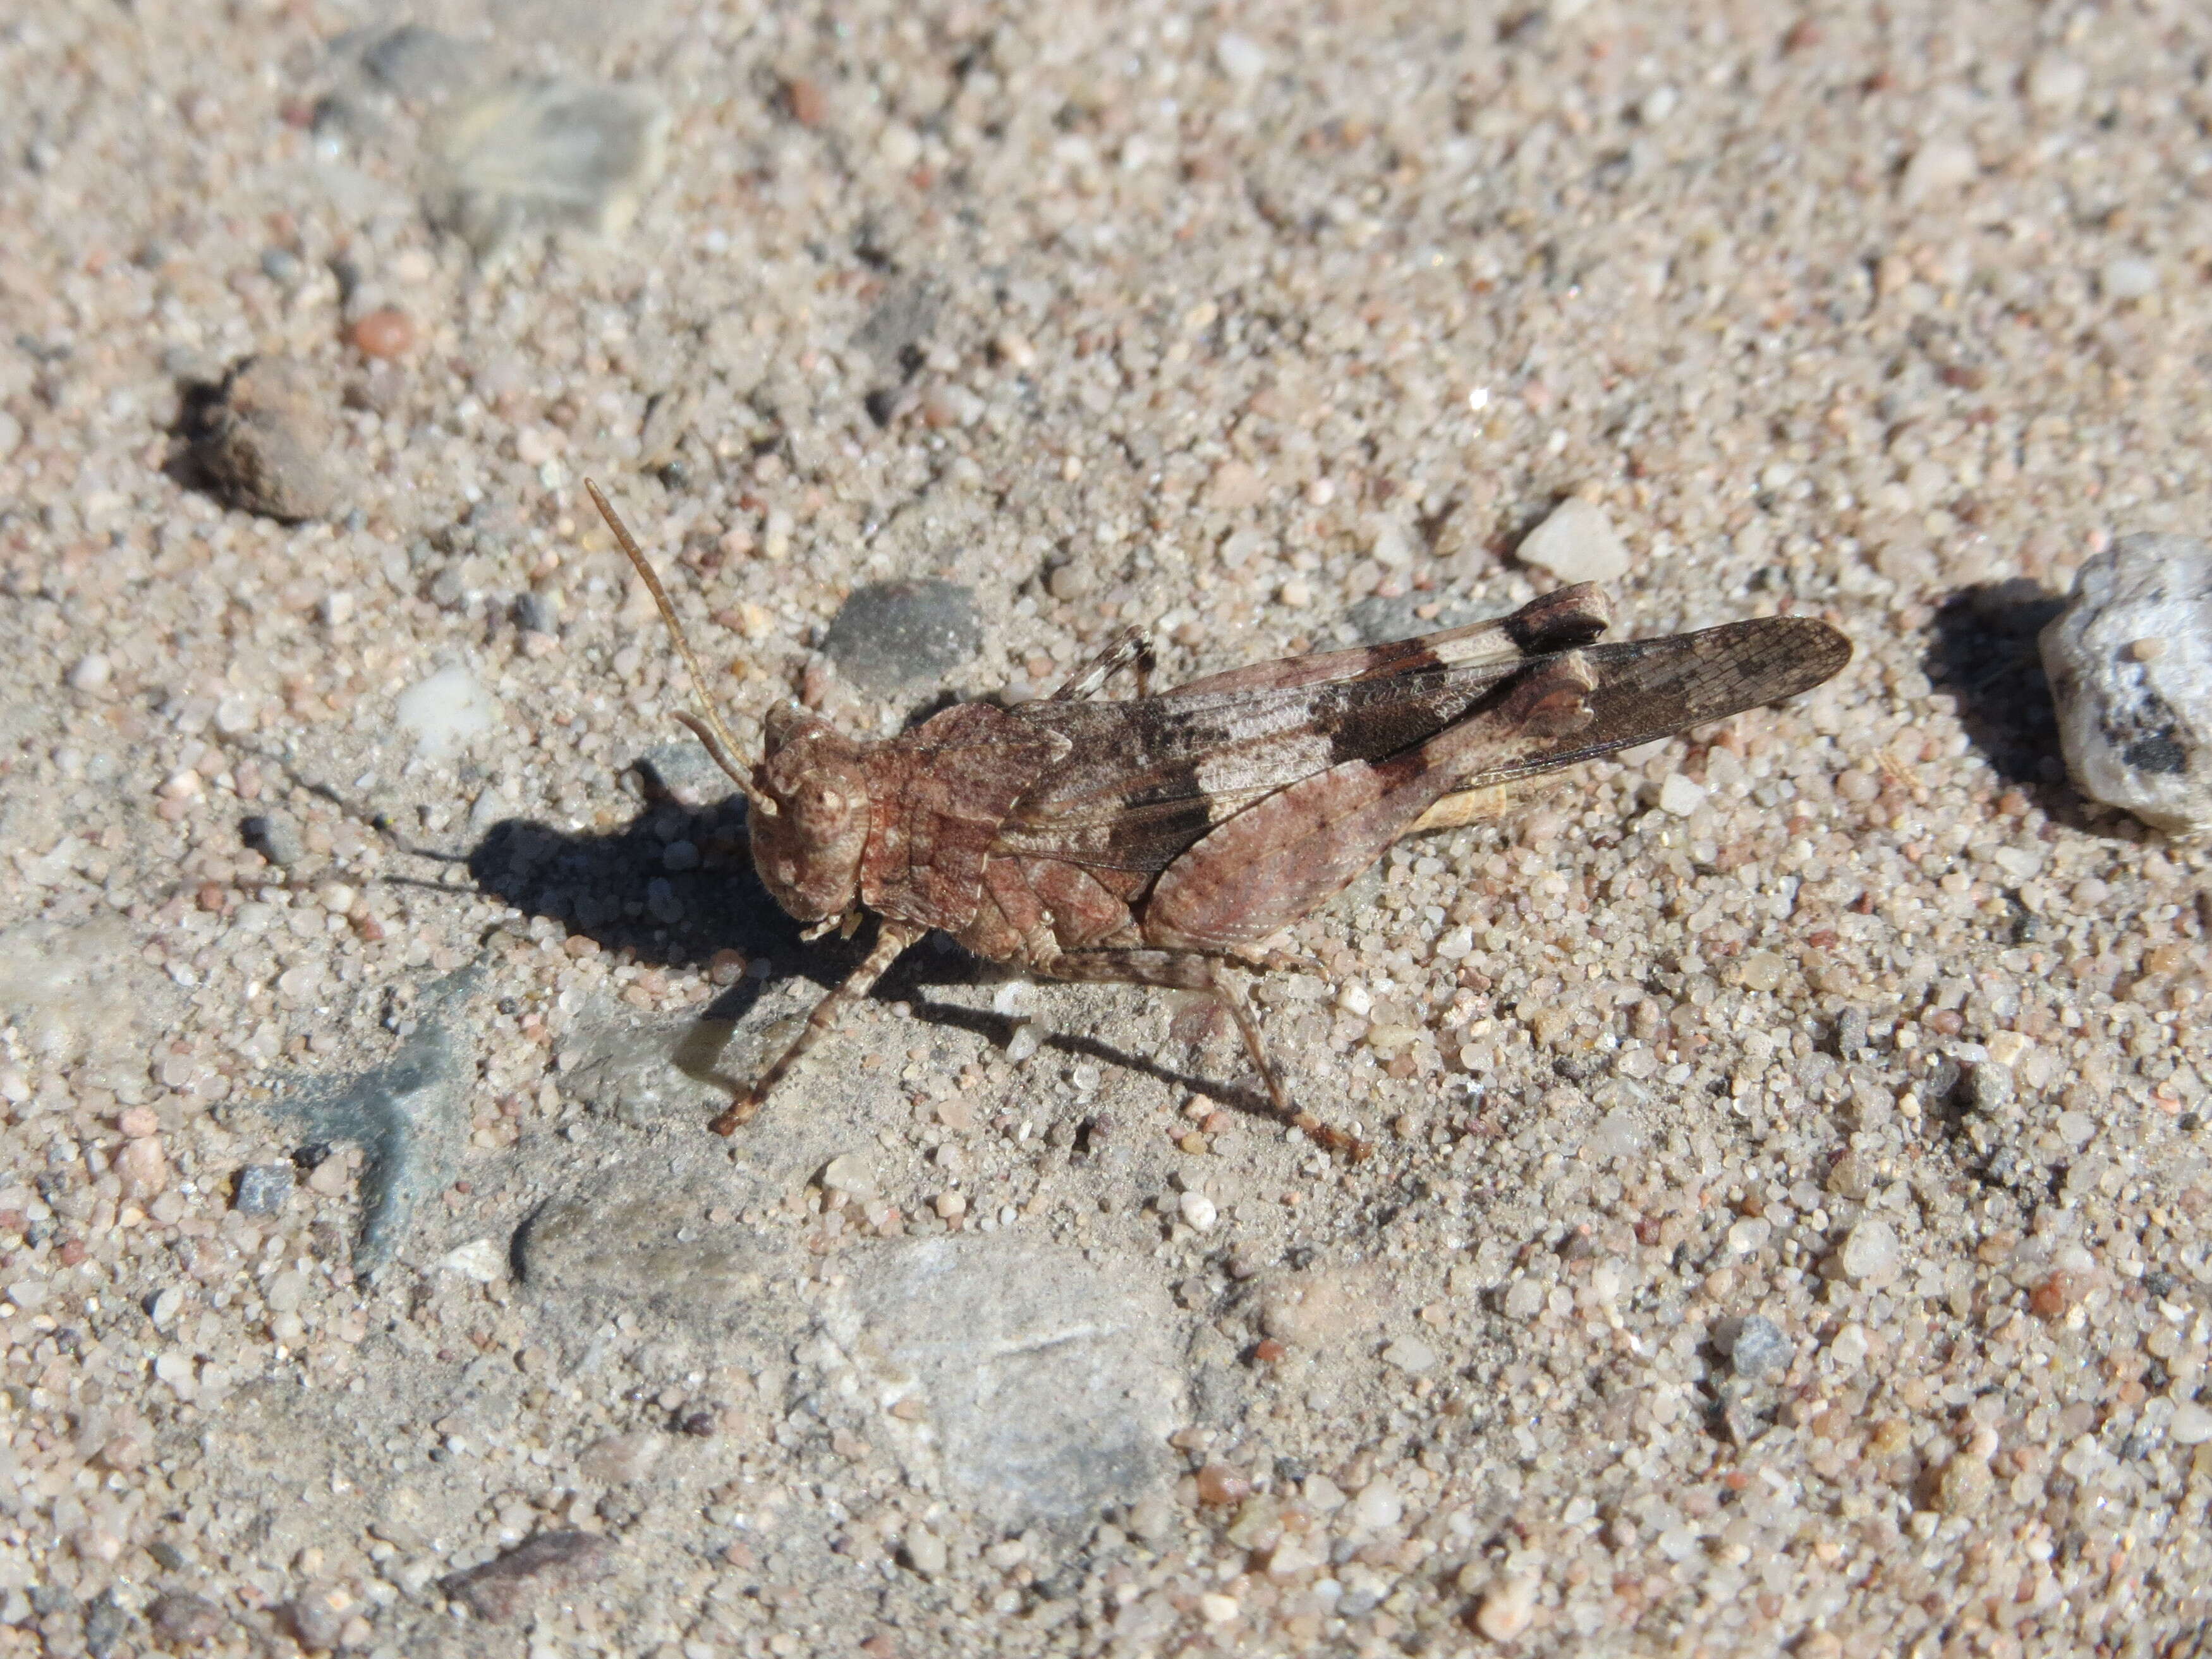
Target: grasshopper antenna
710	732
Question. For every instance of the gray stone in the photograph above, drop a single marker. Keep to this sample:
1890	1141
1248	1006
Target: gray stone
184	1622
1047	1382
275	836
1378	621
890	634
686	771
901	323
2130	662
262	440
1760	1348
629	1242
538	156
409	1116
263	1188
419	63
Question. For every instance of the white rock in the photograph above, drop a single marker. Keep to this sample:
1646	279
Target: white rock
1242	59
444	711
1411	1355
1869	1253
1508	1607
924	1550
850	1175
2056	82
2191	1424
1198	1210
1577	544
480	1259
1680	795
2128	279
1937	168
1378	1505
92	673
2130	663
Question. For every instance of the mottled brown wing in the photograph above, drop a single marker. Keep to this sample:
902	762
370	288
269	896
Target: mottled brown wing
1144	780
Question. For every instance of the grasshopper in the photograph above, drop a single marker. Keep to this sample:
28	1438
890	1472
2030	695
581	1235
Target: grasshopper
1153	840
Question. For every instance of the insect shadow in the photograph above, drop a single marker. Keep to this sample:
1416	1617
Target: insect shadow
675	886
1983	652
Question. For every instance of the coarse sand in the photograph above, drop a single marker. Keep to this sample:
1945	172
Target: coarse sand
1788	1230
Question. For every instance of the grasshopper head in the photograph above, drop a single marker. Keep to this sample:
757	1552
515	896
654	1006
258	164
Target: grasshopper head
808	850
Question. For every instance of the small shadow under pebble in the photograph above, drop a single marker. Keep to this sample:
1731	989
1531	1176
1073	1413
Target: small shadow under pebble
1983	653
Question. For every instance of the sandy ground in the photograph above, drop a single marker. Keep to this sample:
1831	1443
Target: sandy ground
1788	1230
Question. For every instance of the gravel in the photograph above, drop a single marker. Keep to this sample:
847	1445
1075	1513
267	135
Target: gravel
1853	1017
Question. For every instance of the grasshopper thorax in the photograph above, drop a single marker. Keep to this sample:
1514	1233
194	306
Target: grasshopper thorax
808	850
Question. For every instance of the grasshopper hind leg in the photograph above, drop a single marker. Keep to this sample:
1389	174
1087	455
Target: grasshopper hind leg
1196	970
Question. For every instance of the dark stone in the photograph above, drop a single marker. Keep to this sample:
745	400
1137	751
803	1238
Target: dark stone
890	634
184	1622
105	1626
1760	1349
411	1115
534	612
262	1188
552	1560
420	62
901	321
275	836
262	442
1378	621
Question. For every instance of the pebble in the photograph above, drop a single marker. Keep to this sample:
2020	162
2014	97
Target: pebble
184	1622
444	711
2135	723
1869	1254
143	1167
924	1551
418	62
384	333
2128	279
1939	168
1049	1385
263	1188
551	1561
890	634
1680	795
1198	1210
481	1260
534	155
2191	1425
263	443
618	1459
1378	1504
1411	1355
2056	82
275	836
1760	1349
849	1173
93	671
1507	1607
1577	544
1242	58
